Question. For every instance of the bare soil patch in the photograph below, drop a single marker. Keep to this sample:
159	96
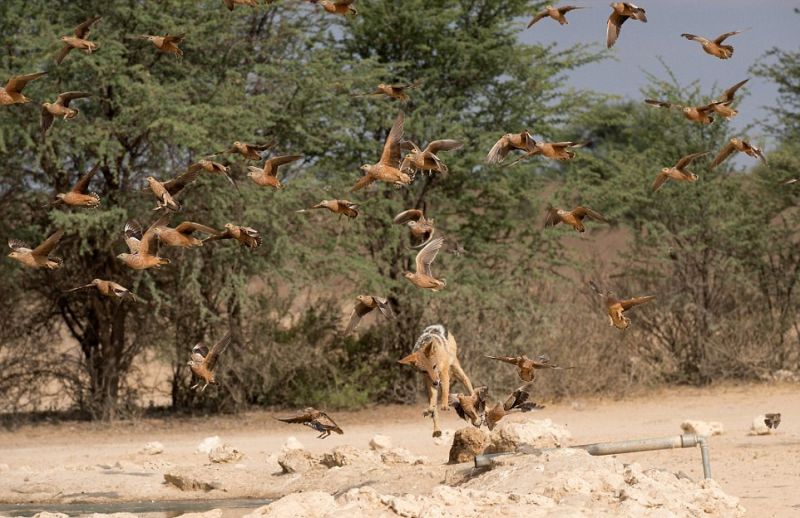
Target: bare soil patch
68	462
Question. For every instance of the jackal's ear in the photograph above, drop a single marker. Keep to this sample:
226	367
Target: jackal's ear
410	359
427	349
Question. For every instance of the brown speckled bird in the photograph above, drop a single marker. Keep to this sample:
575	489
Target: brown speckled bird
246	236
108	289
678	172
77	196
471	407
423	277
616	307
249	151
516	402
723	105
364	305
421	228
267	176
11	93
213	168
143	246
737	145
426	159
78	41
387	169
714	47
60	108
168	43
181	236
340	207
395	91
343	7
620	13
699	114
556	13
38	257
315	419
508	142
573	218
552	150
526	367
203	361
166	192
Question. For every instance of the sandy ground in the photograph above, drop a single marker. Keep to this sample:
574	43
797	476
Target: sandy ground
76	461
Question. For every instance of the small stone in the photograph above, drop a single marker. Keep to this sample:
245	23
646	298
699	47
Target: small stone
380	442
296	461
292	444
152	448
225	453
467	443
400	456
346	455
706	428
208	444
4	468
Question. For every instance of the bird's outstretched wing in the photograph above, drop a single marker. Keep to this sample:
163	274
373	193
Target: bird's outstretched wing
427	255
722	155
84	181
179	182
635	301
408	215
82	30
392	149
359	311
686	160
48	245
216	350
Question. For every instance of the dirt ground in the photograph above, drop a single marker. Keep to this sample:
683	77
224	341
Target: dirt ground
68	462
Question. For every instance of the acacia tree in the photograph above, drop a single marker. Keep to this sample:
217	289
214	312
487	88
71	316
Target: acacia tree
149	114
711	251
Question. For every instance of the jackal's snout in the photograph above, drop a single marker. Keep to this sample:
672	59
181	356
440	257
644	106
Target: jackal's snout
433	373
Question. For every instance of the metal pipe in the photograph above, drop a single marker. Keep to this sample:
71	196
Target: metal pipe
661	443
613	448
702	440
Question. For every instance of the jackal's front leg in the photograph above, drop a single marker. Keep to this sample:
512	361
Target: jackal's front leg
432	410
460	375
445	384
432	393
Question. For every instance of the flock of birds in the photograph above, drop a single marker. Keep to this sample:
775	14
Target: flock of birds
400	162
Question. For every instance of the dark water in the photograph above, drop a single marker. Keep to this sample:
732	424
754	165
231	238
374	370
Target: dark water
233	508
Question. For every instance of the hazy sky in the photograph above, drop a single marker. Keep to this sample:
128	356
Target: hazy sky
772	23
